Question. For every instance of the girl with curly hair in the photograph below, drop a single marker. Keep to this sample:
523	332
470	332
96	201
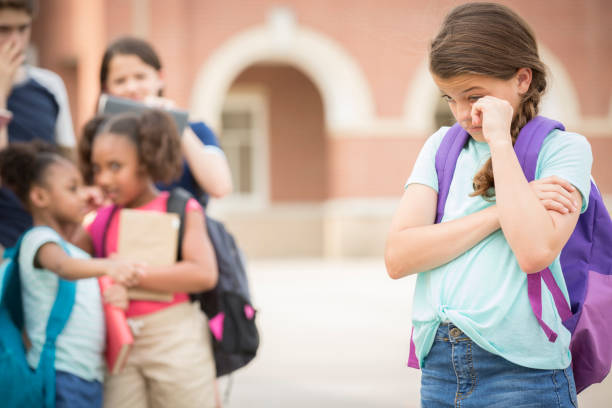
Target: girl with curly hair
170	363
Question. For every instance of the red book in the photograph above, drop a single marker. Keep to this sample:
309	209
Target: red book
119	337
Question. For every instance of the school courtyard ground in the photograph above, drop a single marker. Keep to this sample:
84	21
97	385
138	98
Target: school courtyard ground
334	334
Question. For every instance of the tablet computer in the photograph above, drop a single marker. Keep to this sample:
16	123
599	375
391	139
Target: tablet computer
110	105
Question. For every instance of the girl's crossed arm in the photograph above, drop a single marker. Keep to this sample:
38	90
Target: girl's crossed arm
415	244
196	272
535	233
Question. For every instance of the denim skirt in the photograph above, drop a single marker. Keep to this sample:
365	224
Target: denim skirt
458	373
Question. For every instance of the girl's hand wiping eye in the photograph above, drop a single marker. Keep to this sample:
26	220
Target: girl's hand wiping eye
494	116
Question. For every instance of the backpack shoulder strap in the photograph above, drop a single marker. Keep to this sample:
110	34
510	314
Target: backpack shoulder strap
177	201
446	160
529	142
527	149
99	227
60	313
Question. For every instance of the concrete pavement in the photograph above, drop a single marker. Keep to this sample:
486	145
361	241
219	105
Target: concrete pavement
335	334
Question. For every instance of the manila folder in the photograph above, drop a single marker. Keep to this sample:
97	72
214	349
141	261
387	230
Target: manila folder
150	237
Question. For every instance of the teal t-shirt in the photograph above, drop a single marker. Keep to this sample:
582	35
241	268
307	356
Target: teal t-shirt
483	291
80	346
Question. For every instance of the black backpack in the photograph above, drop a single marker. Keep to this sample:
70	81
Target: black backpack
231	315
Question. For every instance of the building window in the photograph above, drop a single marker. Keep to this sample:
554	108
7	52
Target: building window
244	140
237	143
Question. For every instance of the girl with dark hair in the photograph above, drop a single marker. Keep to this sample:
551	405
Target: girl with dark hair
51	189
131	69
170	363
475	334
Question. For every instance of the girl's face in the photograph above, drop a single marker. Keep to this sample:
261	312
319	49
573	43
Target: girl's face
117	169
130	77
462	91
67	197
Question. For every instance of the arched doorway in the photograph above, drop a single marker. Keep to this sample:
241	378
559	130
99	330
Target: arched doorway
272	129
273	119
346	95
280	206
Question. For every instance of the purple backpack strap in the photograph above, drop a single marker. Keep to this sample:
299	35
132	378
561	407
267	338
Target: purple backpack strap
98	229
446	160
413	361
534	291
527	148
529	142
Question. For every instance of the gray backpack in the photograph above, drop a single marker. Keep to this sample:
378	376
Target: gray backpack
231	316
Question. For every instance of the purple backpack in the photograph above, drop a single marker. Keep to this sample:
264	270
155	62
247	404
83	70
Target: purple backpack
586	260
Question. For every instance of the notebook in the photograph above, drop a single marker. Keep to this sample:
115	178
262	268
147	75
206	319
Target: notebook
150	237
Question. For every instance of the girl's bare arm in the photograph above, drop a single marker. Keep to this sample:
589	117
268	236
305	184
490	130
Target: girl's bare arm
198	269
535	234
53	257
415	244
209	168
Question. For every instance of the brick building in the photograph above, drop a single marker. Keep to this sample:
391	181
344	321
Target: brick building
321	105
